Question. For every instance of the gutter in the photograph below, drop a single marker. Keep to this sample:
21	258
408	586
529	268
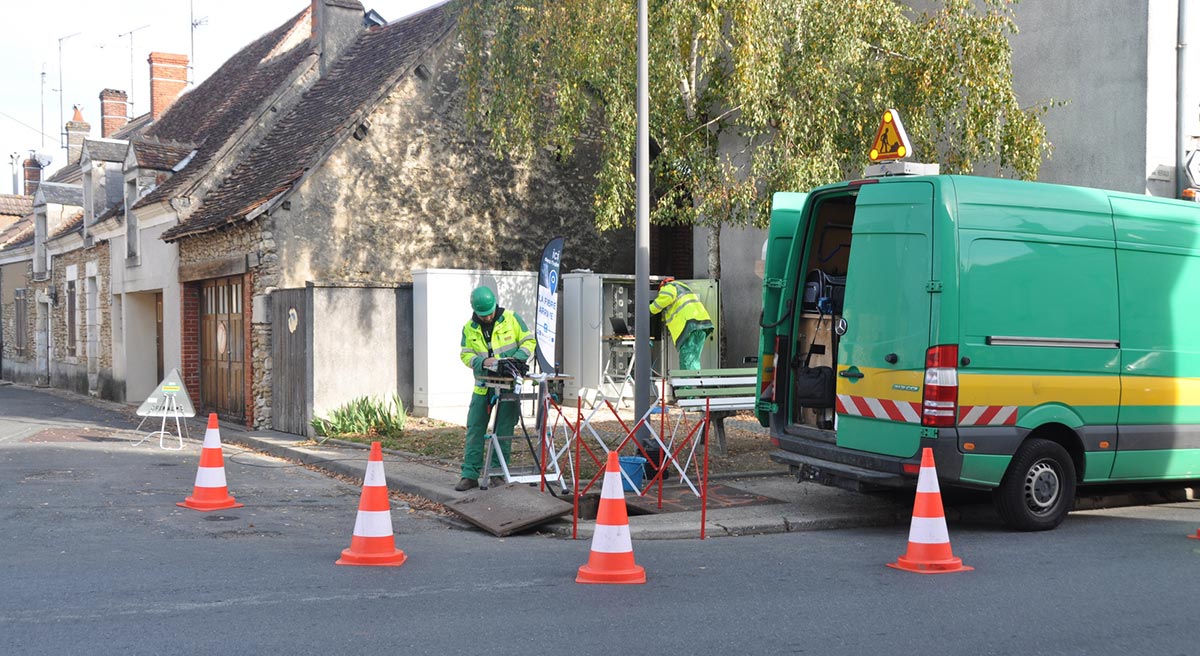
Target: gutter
1181	89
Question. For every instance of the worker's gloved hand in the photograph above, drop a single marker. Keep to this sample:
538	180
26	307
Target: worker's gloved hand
514	367
491	363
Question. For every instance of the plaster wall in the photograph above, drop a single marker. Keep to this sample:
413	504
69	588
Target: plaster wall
366	365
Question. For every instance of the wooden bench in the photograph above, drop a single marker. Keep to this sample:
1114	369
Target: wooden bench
724	391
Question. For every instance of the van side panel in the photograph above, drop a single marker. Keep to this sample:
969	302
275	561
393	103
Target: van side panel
1039	318
1158	255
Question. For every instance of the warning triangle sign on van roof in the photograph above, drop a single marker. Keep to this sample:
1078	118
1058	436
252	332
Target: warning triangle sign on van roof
169	399
891	142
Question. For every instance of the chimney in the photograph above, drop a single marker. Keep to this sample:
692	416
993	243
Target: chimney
77	131
168	77
114	111
33	175
335	25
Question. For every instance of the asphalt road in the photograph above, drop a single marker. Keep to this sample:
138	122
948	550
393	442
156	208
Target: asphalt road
96	558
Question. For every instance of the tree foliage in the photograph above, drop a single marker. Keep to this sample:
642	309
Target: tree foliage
747	97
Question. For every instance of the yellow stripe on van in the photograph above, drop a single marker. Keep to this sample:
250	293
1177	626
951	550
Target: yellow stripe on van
884	384
1025	390
1139	390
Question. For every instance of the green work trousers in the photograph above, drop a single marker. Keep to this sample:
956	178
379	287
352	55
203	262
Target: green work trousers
690	347
477	425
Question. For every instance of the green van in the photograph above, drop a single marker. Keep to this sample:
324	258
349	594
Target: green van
1037	337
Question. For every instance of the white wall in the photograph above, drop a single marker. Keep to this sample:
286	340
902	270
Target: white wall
441	306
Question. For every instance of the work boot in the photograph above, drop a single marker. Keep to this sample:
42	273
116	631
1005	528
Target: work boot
466	484
496	481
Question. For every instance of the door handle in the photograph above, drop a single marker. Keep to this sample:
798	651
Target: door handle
846	373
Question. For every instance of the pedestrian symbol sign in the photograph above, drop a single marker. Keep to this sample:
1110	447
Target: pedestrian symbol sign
891	142
170	399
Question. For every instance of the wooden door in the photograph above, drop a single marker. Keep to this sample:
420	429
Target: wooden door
222	347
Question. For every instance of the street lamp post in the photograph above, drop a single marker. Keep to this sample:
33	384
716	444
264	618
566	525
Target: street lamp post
641	376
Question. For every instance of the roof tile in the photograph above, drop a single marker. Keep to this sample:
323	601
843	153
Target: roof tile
367	69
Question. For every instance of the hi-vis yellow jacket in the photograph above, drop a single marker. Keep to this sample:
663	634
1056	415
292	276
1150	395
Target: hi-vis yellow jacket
510	339
680	305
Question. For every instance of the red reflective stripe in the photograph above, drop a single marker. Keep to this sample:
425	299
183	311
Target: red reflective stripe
864	408
988	415
841	409
893	412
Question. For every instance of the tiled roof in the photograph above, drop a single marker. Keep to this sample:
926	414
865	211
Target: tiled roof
115	210
105	150
14	235
159	156
211	113
362	76
11	205
72	225
69	174
61	194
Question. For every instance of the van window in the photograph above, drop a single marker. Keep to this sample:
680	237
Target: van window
1032	289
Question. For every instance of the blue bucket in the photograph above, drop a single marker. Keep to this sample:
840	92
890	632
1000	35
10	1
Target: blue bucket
634	467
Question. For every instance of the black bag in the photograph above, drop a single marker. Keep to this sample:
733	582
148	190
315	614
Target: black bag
815	387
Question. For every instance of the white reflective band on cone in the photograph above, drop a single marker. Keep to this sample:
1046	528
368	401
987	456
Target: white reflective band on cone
210	477
374	476
612	486
928	530
612	539
373	524
212	439
927	480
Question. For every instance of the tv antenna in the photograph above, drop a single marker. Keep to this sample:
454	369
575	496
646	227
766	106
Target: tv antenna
196	22
129	34
62	120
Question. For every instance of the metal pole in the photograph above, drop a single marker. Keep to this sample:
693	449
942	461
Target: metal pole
641	380
1181	89
15	158
62	120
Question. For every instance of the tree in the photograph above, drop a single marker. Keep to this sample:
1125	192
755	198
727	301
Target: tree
747	97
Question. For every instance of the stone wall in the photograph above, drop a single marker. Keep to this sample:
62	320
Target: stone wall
17	363
255	240
421	191
69	368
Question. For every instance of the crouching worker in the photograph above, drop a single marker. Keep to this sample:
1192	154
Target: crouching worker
491	335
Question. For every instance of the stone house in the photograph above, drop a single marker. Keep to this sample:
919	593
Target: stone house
373	174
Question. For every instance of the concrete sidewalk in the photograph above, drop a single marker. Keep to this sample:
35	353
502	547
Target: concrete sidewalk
801	506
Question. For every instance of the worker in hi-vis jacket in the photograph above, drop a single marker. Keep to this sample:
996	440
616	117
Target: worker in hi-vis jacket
686	319
493	334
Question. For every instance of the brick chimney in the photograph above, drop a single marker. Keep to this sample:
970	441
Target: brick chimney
77	131
114	111
168	77
335	25
33	175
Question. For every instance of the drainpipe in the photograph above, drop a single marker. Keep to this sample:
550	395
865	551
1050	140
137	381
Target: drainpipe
1181	99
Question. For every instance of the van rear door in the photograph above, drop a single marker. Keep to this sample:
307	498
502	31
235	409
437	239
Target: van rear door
886	319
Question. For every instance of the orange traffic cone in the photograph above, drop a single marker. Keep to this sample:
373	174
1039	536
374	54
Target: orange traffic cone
611	560
1196	535
928	540
210	492
373	542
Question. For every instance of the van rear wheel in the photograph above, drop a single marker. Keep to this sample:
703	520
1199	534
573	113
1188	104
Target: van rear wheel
1038	489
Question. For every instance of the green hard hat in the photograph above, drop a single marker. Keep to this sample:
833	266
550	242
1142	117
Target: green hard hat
483	301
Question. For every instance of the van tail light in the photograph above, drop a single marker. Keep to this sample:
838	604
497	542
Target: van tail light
939	404
766	392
